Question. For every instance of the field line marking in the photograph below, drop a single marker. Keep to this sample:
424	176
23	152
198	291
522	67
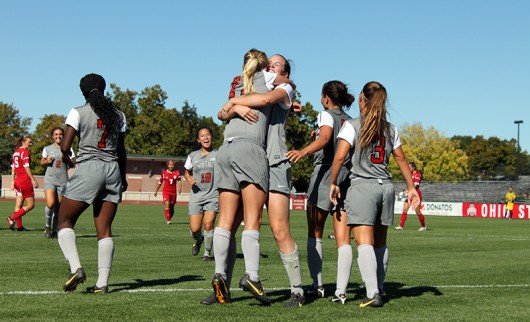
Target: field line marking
164	290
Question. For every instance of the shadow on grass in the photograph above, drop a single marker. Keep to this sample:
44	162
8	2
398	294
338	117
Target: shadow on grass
140	283
398	290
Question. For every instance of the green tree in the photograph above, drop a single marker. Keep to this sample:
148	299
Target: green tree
12	127
488	158
298	132
437	157
42	138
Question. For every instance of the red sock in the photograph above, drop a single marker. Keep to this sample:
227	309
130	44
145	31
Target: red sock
18	214
403	219
422	219
166	213
19	222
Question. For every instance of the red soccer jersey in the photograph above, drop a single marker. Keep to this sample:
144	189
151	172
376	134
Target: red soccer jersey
170	181
416	179
21	160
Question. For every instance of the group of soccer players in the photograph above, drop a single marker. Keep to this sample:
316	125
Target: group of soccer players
251	169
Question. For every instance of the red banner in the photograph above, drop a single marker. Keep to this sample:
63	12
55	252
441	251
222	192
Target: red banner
490	210
298	202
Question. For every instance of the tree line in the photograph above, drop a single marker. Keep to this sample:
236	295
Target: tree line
155	129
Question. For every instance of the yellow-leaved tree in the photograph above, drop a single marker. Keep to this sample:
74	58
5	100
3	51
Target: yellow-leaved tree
437	157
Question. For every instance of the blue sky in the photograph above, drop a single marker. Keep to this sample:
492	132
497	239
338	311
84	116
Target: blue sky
462	67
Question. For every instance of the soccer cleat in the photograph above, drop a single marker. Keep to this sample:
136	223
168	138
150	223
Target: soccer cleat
341	299
96	290
254	288
196	248
206	258
315	293
11	223
332	236
209	300
220	290
398	228
47	233
296	300
54	234
169	222
375	301
74	279
22	229
382	292
424	228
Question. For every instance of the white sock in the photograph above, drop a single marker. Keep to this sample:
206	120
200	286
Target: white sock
105	255
368	268
381	255
314	260
208	242
221	245
48	217
251	247
344	264
291	262
67	242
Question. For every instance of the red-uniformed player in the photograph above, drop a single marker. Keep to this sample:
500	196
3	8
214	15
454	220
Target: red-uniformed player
23	183
171	180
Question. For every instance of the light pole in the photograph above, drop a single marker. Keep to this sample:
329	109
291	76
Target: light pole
517	168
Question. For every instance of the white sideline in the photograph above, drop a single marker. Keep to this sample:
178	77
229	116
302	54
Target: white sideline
165	290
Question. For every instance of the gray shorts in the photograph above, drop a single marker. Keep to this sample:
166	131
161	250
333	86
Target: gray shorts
241	161
51	186
280	178
369	202
318	191
95	180
195	208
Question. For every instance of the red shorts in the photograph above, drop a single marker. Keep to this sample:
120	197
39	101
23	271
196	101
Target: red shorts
24	188
172	199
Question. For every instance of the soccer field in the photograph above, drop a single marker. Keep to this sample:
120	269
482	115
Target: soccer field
460	269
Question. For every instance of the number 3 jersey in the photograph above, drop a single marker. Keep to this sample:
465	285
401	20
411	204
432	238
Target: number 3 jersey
57	171
202	170
370	163
95	140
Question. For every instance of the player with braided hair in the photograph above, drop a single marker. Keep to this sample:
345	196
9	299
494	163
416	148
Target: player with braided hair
98	180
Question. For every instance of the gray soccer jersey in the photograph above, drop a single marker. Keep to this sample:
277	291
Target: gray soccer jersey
95	142
372	163
276	146
202	167
237	128
57	171
326	155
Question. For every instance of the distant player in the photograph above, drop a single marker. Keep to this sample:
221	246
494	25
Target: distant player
416	178
204	198
509	198
55	180
22	182
170	179
98	180
369	201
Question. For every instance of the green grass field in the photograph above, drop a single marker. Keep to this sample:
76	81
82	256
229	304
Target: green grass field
460	269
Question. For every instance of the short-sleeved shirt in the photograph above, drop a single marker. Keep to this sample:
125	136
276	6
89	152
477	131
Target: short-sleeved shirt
95	141
239	128
170	181
19	162
370	163
202	167
333	118
276	145
57	171
416	179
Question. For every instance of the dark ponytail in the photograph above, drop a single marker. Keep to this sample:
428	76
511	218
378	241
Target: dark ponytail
93	88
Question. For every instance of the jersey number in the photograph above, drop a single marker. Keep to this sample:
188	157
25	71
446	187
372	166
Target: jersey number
102	143
58	164
233	87
206	177
378	156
